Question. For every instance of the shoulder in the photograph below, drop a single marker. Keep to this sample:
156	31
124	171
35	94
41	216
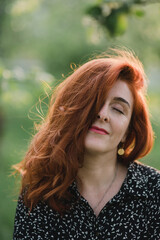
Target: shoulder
40	209
41	212
151	174
149	177
33	224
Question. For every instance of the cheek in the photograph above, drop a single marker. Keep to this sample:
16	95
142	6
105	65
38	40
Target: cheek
120	127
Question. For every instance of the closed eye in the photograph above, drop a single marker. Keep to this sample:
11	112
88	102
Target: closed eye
119	111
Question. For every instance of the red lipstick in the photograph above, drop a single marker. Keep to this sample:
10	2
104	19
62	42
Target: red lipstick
98	130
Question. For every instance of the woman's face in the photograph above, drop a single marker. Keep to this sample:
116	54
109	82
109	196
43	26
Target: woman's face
113	120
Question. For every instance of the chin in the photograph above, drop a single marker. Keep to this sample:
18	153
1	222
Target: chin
95	148
96	144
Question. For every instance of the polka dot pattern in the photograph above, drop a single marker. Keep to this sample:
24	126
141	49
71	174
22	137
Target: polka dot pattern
133	213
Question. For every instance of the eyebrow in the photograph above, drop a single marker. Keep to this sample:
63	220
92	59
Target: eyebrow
120	99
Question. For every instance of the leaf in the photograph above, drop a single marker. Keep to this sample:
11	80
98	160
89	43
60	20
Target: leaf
95	11
139	13
116	24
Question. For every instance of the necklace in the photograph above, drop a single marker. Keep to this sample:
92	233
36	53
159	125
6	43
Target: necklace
114	177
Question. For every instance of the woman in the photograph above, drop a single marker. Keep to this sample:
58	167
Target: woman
80	178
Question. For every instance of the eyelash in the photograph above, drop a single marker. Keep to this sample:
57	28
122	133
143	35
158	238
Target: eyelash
119	111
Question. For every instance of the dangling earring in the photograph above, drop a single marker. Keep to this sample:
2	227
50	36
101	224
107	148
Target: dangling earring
121	150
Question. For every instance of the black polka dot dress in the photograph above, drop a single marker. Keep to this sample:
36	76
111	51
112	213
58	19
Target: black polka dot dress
133	213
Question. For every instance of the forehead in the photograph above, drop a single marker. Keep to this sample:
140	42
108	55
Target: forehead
121	90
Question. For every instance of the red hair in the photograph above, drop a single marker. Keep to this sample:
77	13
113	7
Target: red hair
56	151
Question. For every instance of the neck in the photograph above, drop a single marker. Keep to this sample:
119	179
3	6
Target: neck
97	170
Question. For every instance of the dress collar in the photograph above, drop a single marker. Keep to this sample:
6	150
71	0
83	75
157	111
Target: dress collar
134	185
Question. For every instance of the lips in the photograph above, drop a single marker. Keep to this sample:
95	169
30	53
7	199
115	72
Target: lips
98	130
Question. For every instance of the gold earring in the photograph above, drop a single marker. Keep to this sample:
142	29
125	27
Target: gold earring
120	151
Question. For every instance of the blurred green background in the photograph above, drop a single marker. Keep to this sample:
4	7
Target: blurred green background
39	40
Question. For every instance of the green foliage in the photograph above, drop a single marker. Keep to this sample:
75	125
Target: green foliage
114	20
24	101
139	13
3	4
113	16
19	88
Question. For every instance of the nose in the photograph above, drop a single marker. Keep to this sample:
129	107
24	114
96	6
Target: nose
102	118
103	115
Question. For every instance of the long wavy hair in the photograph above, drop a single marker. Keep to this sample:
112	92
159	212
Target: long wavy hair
56	151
